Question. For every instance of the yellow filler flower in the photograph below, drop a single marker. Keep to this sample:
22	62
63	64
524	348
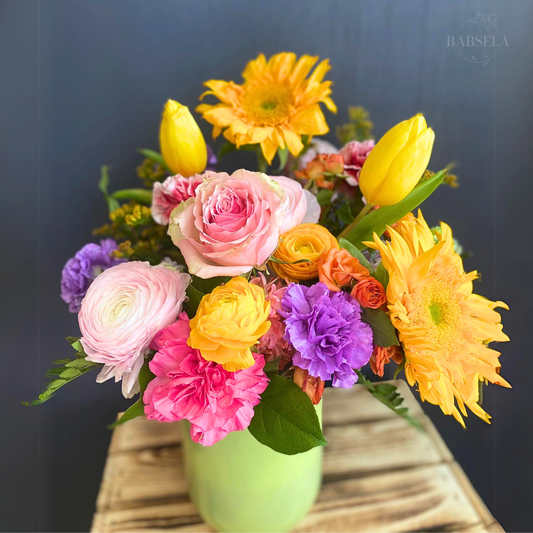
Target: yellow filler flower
397	162
306	243
181	141
229	321
444	328
274	106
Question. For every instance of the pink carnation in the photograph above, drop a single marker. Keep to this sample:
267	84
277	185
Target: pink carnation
186	386
354	155
123	309
234	222
169	194
272	344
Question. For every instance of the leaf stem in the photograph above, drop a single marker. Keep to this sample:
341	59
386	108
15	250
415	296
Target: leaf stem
366	209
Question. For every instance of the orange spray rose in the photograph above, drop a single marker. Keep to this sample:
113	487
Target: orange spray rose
369	292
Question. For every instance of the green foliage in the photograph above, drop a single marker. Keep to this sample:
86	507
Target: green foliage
382	328
66	371
143	196
388	395
381	275
137	409
283	156
154	156
285	419
358	128
378	220
195	297
103	185
354	252
324	196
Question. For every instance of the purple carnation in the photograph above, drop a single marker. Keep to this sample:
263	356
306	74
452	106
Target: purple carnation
326	330
82	269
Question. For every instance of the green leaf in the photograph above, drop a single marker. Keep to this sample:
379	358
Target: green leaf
381	275
143	196
378	220
388	395
67	370
103	185
324	197
285	419
136	409
354	252
283	155
382	328
345	215
207	285
156	157
399	368
195	297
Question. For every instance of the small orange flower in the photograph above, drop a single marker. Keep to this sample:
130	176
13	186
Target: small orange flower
369	292
317	168
299	251
382	356
337	268
313	387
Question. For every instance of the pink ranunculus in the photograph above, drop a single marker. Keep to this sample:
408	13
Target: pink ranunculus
186	386
299	206
121	313
354	155
169	194
233	223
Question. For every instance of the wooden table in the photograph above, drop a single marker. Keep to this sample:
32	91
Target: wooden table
380	474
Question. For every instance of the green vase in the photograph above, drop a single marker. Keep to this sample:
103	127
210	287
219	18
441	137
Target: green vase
240	485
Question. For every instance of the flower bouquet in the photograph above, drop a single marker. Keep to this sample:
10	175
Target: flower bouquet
231	301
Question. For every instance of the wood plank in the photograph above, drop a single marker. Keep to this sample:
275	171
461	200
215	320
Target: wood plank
380	474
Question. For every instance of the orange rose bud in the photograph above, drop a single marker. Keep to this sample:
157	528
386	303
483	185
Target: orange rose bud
322	163
313	387
337	268
369	292
382	356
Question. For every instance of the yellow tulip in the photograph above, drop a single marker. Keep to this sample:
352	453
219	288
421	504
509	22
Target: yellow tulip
397	162
181	141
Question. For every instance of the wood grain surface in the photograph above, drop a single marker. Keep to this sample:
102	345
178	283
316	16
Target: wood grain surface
380	474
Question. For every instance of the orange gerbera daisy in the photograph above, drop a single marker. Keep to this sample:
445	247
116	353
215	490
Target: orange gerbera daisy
444	328
274	106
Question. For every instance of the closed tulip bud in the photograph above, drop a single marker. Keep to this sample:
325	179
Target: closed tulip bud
397	162
182	143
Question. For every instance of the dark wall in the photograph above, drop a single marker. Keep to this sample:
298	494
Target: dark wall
83	84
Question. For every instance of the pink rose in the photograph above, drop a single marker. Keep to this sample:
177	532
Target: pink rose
121	313
169	194
299	206
234	223
354	155
186	386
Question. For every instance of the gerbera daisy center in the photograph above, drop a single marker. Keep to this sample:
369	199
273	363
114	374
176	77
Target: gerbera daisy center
267	105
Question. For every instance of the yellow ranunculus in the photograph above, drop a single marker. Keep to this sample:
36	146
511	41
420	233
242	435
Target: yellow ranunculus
229	321
181	141
306	241
397	162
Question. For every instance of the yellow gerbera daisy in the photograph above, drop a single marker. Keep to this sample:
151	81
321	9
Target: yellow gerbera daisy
444	328
274	106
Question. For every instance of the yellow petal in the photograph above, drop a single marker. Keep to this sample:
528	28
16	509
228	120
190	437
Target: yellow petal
309	121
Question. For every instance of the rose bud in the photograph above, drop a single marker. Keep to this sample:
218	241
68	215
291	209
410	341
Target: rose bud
313	387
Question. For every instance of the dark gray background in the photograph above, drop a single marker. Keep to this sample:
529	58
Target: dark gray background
83	84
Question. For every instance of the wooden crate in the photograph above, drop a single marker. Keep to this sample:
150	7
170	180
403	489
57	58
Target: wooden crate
380	474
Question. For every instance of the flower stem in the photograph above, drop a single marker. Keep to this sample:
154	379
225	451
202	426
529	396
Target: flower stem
356	220
262	163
